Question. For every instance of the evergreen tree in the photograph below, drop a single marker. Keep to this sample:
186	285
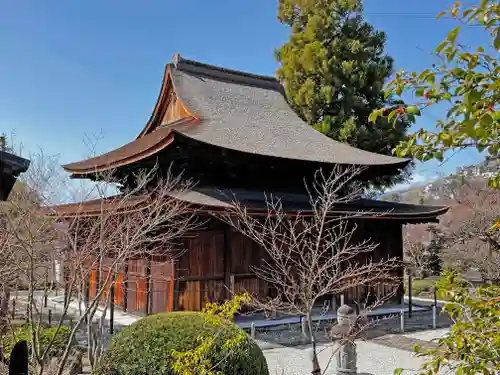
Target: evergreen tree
334	68
434	261
4	143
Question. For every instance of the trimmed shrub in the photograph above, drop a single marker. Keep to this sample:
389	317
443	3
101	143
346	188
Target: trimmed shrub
46	336
147	346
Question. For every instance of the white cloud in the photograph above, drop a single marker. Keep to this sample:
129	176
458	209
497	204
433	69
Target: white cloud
417	179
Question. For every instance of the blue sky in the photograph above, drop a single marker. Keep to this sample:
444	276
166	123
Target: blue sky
74	68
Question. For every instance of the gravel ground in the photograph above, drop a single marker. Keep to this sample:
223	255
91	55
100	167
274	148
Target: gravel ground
428	335
373	359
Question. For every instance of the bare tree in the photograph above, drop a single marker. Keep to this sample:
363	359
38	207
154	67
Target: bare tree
476	243
100	236
313	256
142	222
28	238
6	281
415	255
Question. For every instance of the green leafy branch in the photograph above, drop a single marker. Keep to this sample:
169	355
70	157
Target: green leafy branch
197	361
466	80
473	344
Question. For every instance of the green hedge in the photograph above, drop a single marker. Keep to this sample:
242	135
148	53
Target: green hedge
145	347
46	336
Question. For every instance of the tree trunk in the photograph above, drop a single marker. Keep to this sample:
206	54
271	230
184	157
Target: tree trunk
4	309
316	369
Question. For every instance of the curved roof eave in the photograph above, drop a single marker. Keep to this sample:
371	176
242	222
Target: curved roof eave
187	133
132	152
129	153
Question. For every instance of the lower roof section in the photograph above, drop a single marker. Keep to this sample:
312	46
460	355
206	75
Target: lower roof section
209	200
97	207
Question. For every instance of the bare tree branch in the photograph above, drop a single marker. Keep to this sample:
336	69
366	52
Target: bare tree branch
475	243
313	255
101	236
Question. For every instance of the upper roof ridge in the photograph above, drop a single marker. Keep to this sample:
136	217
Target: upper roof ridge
231	75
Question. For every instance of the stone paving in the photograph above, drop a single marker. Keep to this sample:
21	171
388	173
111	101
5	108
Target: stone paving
381	354
403	342
373	359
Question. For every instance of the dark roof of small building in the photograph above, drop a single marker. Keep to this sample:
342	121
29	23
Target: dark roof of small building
13	163
213	199
234	110
11	166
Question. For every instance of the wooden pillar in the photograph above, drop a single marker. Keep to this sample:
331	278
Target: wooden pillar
125	286
149	288
171	287
98	276
410	291
87	298
398	252
112	303
228	261
175	277
67	292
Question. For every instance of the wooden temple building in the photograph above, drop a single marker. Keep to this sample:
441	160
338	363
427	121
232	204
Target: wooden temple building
234	132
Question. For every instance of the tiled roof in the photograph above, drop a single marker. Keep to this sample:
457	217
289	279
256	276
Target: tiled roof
236	110
249	113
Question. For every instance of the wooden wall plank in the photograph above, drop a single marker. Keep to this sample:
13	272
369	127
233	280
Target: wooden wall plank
137	286
93	284
204	255
387	235
162	284
200	275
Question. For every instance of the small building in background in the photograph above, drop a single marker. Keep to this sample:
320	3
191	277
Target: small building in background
11	166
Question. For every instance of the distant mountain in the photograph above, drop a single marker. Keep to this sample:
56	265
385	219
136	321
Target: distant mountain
445	188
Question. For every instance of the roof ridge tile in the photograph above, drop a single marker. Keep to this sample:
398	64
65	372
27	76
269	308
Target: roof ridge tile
236	76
